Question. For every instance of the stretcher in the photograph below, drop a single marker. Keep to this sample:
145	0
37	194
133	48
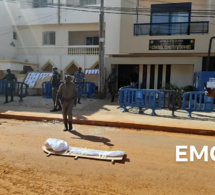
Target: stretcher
103	155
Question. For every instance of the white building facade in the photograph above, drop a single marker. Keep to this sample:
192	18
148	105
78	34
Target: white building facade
166	42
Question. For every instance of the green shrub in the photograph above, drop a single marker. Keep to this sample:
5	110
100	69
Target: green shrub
170	86
176	88
188	88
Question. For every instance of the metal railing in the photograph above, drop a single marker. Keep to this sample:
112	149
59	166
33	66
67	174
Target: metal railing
198	101
142	98
89	89
14	89
154	99
172	100
175	28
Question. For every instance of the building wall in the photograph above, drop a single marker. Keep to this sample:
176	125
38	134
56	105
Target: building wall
182	69
112	29
79	38
140	44
7	13
31	48
177	70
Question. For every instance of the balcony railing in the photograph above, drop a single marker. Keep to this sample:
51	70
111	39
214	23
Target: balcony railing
83	50
176	28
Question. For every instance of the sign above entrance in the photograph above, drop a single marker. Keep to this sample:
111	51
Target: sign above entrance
172	44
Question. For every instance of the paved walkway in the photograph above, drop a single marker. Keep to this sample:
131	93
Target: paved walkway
103	112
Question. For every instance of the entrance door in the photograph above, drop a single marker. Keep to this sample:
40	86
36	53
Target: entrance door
125	74
1	74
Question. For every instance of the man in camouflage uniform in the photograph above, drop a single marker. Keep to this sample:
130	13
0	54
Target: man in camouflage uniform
55	80
68	94
112	78
9	85
79	82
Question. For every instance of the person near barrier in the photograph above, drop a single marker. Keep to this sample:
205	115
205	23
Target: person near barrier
210	92
55	81
79	82
9	87
134	76
112	78
68	94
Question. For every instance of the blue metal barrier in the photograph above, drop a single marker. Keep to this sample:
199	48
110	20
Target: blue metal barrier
47	89
14	88
132	86
197	101
142	98
89	89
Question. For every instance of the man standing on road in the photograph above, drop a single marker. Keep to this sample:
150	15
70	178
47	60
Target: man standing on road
112	78
68	94
55	80
11	78
79	82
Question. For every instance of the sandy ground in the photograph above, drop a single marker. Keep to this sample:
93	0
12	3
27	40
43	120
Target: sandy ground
148	168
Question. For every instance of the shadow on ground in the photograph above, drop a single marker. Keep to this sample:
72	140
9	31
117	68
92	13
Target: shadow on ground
91	138
168	114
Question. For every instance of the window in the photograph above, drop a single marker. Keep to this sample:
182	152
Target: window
168	19
14	35
48	38
143	85
152	76
87	2
35	3
92	41
168	73
171	19
160	75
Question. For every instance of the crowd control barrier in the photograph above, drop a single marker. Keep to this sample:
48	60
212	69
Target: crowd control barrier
172	100
14	88
197	101
142	98
89	89
47	89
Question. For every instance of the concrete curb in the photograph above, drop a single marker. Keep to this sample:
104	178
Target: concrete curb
207	132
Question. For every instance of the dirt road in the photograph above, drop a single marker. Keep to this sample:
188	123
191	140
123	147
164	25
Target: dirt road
149	168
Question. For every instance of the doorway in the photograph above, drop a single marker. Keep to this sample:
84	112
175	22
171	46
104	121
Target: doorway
125	72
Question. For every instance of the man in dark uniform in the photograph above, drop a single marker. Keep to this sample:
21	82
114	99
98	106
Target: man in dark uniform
11	78
79	82
55	80
68	94
112	78
134	76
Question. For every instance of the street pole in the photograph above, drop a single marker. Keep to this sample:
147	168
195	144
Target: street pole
137	7
209	53
101	47
58	11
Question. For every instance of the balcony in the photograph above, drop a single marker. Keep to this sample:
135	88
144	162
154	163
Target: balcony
75	50
176	28
83	50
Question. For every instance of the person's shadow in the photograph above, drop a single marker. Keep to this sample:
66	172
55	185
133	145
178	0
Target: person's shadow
92	138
